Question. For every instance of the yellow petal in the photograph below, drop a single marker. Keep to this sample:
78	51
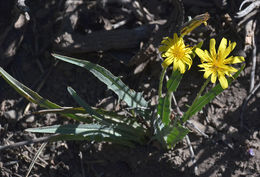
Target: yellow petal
232	70
167	62
229	49
207	74
234	60
175	65
205	65
222	47
223	81
188	61
182	66
212	47
213	77
203	55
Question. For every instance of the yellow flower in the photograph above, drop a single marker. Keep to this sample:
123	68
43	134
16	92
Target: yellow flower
174	51
216	64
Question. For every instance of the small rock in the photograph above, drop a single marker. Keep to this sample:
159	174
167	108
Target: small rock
232	130
30	119
154	100
11	115
255	135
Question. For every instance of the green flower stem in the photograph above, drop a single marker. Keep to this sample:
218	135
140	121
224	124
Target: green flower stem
186	115
161	82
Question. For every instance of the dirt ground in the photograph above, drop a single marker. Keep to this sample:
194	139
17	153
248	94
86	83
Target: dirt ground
123	36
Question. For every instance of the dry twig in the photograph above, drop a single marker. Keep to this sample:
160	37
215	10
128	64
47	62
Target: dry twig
32	141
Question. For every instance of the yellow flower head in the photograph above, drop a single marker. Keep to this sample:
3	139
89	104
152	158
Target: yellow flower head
217	64
174	51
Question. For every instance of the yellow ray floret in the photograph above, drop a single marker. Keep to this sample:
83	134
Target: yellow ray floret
174	51
216	64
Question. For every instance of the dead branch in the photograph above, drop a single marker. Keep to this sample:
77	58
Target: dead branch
32	141
102	40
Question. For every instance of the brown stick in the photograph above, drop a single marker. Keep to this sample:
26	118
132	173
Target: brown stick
102	40
32	141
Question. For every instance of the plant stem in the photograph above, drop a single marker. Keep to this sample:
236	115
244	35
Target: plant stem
201	90
186	115
161	82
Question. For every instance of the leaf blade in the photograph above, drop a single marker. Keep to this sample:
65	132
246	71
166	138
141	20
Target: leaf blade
174	81
132	98
177	133
164	109
32	96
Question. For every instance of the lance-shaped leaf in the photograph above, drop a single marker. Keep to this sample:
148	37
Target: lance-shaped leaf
205	99
82	103
132	98
177	133
164	108
33	96
122	127
90	132
80	111
174	81
26	92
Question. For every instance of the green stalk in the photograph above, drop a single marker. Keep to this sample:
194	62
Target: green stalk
186	115
161	82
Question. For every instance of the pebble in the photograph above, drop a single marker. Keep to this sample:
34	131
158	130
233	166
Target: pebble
30	119
11	115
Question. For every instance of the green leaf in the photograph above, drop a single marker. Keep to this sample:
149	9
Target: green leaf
33	96
164	109
205	99
96	138
136	133
111	115
174	81
26	92
90	132
132	98
82	103
177	133
74	129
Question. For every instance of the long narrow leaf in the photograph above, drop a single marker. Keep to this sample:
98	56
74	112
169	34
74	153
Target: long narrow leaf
174	81
132	98
26	92
33	96
90	132
177	134
96	138
205	99
74	129
126	130
164	109
82	103
80	111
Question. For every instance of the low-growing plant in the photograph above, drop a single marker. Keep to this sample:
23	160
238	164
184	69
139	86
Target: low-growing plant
142	123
